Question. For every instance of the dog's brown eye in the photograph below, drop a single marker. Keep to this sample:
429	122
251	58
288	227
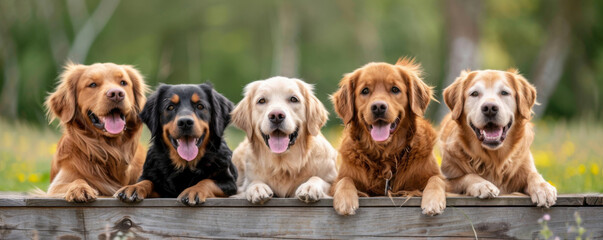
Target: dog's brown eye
123	83
504	93
395	90
474	94
170	107
200	106
262	101
365	91
92	85
294	99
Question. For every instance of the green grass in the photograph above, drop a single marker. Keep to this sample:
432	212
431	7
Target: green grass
569	155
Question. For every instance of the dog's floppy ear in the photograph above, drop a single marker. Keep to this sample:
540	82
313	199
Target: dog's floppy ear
62	103
241	115
138	87
343	99
150	113
316	114
525	93
454	97
419	93
221	108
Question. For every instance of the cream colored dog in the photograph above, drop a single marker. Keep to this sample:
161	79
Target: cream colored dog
486	139
284	153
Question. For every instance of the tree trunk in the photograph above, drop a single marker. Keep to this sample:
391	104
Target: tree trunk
462	17
285	60
553	55
365	30
9	97
93	26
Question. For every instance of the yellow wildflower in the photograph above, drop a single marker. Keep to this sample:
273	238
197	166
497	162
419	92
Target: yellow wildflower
594	169
568	148
53	149
34	178
21	177
581	169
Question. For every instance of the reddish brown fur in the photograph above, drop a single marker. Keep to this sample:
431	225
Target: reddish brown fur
88	161
466	163
366	163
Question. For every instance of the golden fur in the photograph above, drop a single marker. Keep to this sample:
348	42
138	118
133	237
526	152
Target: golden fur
89	161
484	171
406	156
307	169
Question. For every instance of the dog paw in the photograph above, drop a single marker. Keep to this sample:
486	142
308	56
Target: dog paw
193	196
309	193
259	193
544	195
130	194
345	203
433	205
483	189
81	193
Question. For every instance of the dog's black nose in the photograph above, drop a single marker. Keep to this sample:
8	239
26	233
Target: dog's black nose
185	123
116	94
489	109
276	116
378	108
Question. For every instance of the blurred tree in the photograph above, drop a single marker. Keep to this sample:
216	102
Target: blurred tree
462	17
550	64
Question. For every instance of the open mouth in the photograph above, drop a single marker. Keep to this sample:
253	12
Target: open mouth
187	146
278	141
114	122
492	135
381	130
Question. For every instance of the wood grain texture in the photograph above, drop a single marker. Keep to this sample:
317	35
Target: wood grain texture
505	217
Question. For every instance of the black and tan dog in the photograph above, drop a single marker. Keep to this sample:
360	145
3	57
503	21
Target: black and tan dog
188	158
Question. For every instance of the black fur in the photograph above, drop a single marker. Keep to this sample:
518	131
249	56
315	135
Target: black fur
215	164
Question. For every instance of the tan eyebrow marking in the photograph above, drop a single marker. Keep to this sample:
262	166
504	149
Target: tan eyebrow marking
195	97
175	98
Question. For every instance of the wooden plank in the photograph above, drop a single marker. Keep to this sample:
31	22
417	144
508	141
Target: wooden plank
287	222
562	200
594	199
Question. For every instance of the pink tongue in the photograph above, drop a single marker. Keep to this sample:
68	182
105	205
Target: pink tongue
187	149
114	124
380	133
278	143
493	133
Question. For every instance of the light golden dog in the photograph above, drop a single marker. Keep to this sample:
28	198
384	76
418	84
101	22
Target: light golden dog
284	153
98	107
387	145
486	138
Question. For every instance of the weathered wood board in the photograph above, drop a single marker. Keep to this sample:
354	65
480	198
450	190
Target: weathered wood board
504	217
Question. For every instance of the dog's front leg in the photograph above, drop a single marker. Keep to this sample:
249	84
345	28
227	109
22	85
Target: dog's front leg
72	187
542	193
433	201
345	197
312	190
258	192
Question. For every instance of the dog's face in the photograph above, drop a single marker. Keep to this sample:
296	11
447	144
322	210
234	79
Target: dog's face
279	110
489	102
104	95
379	95
186	118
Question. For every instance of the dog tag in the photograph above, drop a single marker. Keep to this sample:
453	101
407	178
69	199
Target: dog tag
387	187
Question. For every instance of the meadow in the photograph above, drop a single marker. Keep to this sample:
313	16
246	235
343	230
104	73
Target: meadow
568	154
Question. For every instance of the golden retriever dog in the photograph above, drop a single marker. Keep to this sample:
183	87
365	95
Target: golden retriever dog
486	138
284	153
98	107
387	146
